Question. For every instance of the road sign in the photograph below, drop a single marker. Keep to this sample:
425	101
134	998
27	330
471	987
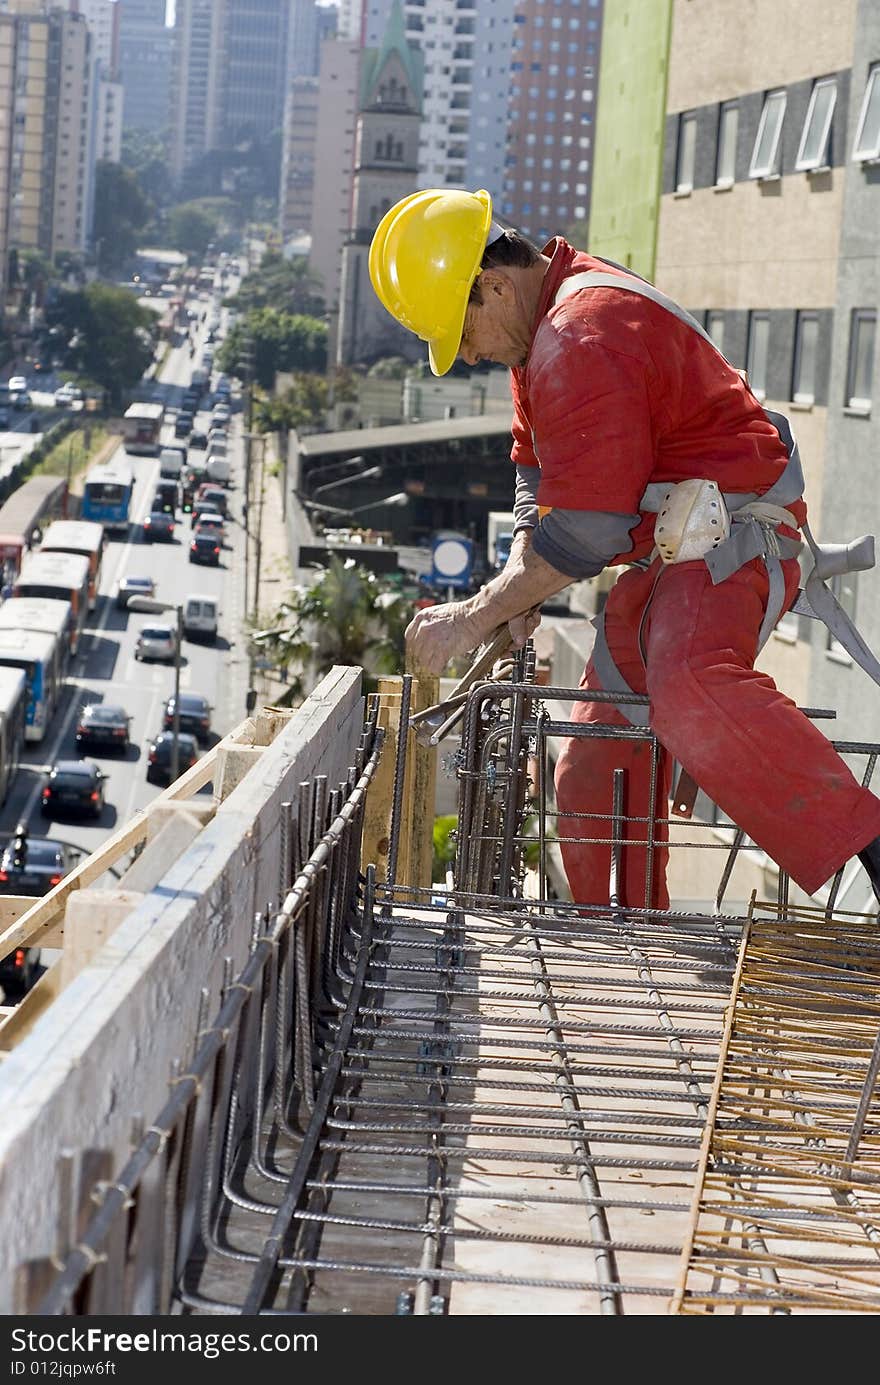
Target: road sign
452	560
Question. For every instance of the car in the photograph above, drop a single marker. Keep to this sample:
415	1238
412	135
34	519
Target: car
161	750
211	522
158	524
73	786
4	417
17	384
218	468
221	414
198	440
203	505
103	724
214	494
195	715
171	461
183	424
38	869
156	642
134	585
66	395
166	496
205	548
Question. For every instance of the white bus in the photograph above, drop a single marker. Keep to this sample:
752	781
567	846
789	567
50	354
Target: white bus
13	709
61	577
141	428
37	655
42	613
81	536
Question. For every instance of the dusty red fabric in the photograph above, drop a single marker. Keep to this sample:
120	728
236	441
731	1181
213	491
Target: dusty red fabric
744	742
617	392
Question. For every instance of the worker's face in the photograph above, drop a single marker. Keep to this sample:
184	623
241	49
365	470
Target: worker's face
497	329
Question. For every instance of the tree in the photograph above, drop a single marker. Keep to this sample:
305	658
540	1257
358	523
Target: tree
346	616
192	227
145	155
279	341
109	336
280	283
303	407
121	213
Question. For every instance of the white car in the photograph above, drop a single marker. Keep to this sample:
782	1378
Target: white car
156	642
67	394
18	392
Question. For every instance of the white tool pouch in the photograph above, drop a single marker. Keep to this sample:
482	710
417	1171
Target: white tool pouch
692	520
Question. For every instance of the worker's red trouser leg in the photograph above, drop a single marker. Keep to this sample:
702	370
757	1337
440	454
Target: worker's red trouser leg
743	741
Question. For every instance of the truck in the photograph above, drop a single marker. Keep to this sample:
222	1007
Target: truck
499	536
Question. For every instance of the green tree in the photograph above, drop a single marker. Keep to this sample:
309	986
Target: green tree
279	283
303	407
192	227
109	336
121	213
279	341
347	615
146	156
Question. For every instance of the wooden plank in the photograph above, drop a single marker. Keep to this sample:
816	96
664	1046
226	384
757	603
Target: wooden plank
377	807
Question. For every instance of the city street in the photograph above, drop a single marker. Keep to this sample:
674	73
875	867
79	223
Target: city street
106	670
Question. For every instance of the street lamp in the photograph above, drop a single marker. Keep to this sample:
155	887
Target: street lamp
398	498
370	474
334	466
153	607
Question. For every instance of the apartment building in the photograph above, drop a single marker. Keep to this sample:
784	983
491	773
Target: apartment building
309	26
338	103
45	96
145	64
551	115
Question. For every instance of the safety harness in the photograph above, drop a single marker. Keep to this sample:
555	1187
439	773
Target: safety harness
754	525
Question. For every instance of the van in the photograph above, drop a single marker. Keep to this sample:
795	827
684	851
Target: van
171	462
217	469
218	444
200	617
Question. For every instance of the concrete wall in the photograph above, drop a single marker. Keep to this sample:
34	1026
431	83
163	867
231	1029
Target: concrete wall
101	1054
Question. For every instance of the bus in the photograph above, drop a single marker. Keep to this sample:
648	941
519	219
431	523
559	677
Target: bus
81	536
141	426
61	577
37	654
22	516
42	613
107	494
13	710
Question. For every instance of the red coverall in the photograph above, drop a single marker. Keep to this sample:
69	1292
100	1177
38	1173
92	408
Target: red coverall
617	393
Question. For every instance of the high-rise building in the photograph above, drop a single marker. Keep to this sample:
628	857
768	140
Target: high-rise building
102	17
45	73
551	115
338	101
310	24
145	61
229	76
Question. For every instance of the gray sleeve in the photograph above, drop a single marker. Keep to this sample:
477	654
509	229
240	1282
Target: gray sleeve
581	543
525	504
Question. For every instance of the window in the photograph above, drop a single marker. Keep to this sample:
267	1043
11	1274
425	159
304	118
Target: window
687	143
715	328
844	588
765	155
813	150
756	360
725	164
860	365
867	145
806	341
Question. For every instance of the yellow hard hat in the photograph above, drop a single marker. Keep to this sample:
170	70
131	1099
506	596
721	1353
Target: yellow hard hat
424	258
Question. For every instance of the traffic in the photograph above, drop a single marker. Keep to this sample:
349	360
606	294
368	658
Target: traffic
121	660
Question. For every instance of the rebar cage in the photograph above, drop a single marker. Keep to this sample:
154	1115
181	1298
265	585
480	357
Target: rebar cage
475	1101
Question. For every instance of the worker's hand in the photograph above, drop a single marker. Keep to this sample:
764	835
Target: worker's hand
522	627
440	633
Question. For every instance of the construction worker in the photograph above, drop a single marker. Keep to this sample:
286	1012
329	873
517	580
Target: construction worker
636	442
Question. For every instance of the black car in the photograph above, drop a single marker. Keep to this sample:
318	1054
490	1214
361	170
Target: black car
158	524
183	424
199	441
205	548
166	496
101	725
74	786
160	752
43	865
195	715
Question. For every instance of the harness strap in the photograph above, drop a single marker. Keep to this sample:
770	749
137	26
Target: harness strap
754	521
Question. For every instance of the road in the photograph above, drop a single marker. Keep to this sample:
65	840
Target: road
105	669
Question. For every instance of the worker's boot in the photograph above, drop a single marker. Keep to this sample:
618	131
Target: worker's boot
870	859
